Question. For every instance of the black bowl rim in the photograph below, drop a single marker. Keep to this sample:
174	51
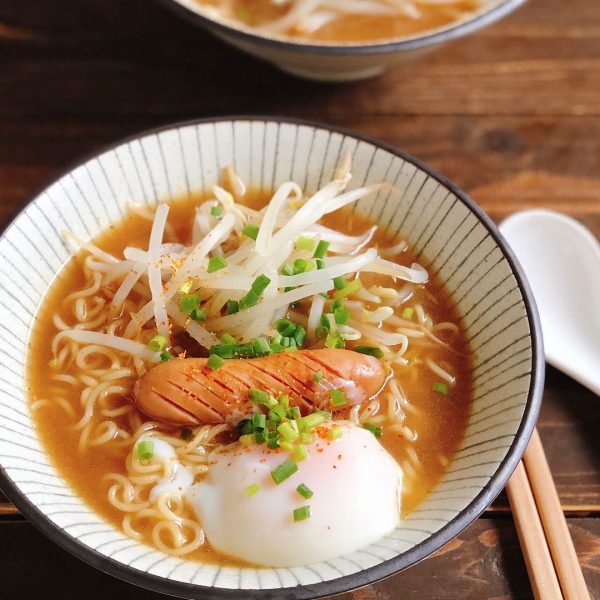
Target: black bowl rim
386	568
461	28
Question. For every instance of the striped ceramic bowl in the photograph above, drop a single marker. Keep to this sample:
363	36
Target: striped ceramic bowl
338	61
453	238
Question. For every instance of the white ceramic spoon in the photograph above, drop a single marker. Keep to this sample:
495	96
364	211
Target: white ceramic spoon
561	259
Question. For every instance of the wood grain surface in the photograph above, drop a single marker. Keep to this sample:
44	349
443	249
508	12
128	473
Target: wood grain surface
511	114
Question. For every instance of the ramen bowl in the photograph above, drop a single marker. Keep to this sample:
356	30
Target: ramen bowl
452	238
338	61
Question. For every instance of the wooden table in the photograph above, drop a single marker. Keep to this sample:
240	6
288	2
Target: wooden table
511	114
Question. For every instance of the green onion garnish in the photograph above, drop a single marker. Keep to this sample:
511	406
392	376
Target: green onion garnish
276	414
233	306
304	491
302	265
188	303
260	436
287	432
320	265
145	450
338	398
215	361
341	315
340	283
251	230
259	421
157	343
300	453
440	388
165	357
260	284
252	489
245	426
335	433
261	346
287	270
227	338
408	313
299	335
306	438
285	327
374	429
325	414
284	402
260	397
334	340
250	299
304	243
198	315
302	513
310	422
283	471
216	211
321	250
216	263
370	350
318	377
352	287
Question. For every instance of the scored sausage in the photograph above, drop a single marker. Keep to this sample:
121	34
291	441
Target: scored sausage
187	392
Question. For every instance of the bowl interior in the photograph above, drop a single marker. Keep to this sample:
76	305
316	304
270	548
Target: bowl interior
453	240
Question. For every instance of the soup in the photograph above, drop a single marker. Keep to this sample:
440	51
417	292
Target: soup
344	21
188	372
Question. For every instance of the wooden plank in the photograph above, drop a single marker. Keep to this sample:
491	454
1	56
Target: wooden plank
485	561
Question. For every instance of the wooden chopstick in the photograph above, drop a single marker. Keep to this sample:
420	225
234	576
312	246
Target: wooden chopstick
542	575
553	520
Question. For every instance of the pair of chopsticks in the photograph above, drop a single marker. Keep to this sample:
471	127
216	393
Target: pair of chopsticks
543	533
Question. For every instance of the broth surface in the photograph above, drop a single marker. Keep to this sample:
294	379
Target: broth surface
439	420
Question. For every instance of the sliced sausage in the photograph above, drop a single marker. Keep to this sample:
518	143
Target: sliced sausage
187	392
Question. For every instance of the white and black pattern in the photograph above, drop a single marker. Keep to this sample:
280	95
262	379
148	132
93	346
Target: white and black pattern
454	240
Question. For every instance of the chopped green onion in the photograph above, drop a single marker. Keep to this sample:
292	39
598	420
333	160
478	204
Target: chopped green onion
275	347
285	327
250	299
260	397
216	211
370	350
246	439
304	243
341	315
233	306
340	283
251	230
299	335
252	489
260	284
198	315
246	426
284	402
216	263
325	322
283	471
306	438
259	421
296	414
276	414
321	250
224	350
335	433
304	491
288	433
215	361
325	414
352	287
318	377
302	513
157	343
261	346
165	357
374	429
338	398
227	338
310	422
408	313
440	388
186	434
320	265
302	265
145	450
324	295
300	453
286	445
287	270
260	436
334	340
273	442
188	303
